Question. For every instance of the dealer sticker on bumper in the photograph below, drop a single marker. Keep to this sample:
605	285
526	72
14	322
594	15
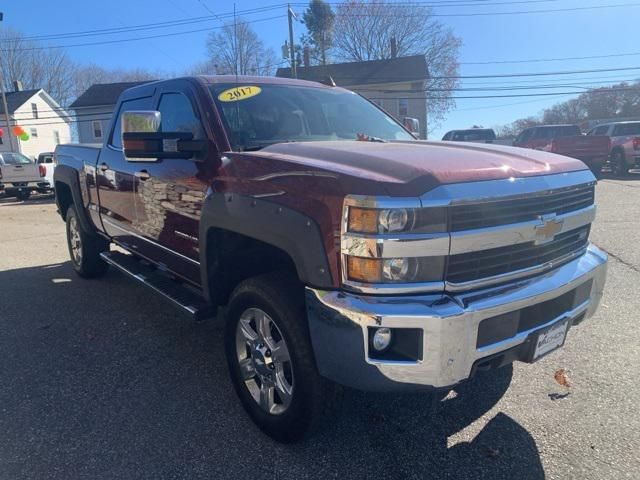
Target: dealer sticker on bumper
551	339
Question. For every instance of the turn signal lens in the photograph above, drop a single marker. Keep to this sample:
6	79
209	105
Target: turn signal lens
363	220
366	270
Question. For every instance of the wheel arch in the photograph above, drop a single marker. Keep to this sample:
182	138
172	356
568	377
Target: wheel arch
67	186
242	236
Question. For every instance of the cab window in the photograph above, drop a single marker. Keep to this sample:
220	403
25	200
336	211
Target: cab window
178	115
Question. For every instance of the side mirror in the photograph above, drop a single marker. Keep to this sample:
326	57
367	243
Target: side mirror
142	140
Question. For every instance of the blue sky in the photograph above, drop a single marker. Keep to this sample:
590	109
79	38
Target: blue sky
491	38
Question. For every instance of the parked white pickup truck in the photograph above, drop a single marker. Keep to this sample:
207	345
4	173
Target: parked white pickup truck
19	175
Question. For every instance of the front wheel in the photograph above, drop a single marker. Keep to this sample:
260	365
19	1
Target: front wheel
271	360
84	248
618	164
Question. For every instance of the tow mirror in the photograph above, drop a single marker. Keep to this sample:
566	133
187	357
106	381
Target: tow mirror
142	139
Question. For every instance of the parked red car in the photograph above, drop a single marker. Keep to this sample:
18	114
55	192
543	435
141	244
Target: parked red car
567	140
625	145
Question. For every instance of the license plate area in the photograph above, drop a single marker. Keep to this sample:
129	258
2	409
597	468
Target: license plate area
549	339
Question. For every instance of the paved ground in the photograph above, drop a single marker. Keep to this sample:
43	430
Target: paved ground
101	380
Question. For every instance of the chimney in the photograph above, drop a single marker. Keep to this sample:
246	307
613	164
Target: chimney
306	61
394	47
17	86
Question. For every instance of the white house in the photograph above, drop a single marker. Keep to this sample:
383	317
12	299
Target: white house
398	85
94	109
40	116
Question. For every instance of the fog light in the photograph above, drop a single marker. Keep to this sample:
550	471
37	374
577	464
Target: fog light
382	339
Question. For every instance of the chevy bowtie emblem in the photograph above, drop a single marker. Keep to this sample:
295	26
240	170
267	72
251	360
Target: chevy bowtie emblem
548	229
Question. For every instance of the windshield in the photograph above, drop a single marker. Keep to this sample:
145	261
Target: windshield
473	135
258	116
14	159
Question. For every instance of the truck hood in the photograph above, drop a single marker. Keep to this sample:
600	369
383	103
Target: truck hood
427	163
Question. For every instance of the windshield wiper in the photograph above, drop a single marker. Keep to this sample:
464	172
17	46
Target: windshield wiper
361	137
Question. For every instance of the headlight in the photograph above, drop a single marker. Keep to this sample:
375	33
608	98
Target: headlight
395	270
395	220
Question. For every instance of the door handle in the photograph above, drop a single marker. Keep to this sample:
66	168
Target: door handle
104	167
142	175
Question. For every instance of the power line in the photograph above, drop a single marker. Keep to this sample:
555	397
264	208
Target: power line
122	40
537	60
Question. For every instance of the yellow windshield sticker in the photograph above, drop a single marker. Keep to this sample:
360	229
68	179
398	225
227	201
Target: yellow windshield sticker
239	93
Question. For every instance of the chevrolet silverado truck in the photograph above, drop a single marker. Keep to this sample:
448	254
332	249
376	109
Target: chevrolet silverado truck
567	140
339	250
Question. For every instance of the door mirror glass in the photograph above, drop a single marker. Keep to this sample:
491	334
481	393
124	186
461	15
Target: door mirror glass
140	122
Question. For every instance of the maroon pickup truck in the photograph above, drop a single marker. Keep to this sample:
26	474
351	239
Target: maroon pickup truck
343	251
569	141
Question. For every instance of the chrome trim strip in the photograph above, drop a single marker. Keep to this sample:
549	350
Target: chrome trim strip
133	234
500	236
395	245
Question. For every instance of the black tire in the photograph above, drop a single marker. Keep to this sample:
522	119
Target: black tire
618	165
23	195
313	397
84	248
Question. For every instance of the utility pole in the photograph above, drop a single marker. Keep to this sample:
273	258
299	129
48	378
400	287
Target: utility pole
291	16
4	102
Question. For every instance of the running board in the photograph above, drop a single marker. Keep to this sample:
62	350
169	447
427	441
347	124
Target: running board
185	298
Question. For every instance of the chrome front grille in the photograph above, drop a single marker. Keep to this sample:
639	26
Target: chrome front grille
484	264
514	210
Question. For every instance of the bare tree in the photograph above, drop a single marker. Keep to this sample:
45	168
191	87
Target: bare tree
364	31
36	66
86	75
237	49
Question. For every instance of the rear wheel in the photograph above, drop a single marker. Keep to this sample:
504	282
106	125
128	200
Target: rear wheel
618	164
271	360
23	195
84	248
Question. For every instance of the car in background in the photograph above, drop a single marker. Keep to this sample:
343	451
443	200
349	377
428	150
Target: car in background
19	175
47	160
569	141
478	135
625	145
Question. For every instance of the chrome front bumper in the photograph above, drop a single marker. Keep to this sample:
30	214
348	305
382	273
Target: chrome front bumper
339	322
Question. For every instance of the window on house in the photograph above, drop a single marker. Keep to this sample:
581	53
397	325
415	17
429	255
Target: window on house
34	110
97	129
56	137
403	107
34	132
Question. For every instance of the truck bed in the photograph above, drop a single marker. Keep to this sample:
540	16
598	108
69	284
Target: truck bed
582	146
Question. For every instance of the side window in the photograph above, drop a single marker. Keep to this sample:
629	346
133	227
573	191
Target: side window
524	136
177	115
601	130
126	106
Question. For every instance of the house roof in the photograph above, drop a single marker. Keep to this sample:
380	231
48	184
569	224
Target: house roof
16	99
391	70
103	94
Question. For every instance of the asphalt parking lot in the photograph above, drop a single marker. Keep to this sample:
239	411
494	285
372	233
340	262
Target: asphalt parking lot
102	380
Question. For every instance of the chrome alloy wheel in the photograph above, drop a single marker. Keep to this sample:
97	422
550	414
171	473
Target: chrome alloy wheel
265	363
75	240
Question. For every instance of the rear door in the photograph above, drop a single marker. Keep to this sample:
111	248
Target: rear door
18	168
171	191
116	181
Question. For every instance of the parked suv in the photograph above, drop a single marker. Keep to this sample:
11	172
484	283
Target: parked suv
344	251
478	135
625	145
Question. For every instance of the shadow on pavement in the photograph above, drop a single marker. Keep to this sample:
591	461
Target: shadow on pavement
35	199
101	379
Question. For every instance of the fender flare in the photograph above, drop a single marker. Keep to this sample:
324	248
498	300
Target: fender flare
69	176
289	230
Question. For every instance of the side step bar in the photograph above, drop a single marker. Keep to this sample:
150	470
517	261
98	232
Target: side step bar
185	298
